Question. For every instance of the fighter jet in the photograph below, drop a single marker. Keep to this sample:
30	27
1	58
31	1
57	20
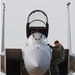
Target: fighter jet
35	59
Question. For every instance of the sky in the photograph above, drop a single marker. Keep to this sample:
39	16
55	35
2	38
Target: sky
16	15
0	26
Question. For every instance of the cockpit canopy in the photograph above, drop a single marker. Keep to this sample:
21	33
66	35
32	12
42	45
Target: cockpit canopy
37	20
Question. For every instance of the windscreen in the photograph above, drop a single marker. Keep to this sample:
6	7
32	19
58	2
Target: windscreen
37	38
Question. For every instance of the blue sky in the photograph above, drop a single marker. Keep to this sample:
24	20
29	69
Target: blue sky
17	12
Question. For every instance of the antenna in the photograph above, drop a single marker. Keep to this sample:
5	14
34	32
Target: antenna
69	35
69	28
2	47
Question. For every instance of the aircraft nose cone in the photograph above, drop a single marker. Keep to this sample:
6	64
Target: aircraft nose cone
37	62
